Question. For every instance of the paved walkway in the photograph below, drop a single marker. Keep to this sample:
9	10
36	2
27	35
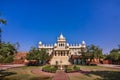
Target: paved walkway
110	66
4	67
61	75
40	72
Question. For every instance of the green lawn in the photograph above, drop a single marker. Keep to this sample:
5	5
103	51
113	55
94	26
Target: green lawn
23	73
96	73
88	73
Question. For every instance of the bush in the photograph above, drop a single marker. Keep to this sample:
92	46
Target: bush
76	68
93	64
53	69
68	70
8	59
49	68
1	59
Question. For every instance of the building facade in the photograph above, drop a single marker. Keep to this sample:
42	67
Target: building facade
62	51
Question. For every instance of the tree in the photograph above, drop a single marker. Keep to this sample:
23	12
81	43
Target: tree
40	55
7	52
33	54
2	21
114	56
93	52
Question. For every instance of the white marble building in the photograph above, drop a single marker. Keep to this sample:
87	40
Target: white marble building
61	51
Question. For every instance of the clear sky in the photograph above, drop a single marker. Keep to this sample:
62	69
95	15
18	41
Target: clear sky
30	21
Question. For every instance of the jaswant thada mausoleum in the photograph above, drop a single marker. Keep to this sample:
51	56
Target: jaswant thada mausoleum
62	51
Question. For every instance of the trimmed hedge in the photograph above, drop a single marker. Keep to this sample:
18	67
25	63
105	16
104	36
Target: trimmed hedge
93	64
69	69
49	68
76	68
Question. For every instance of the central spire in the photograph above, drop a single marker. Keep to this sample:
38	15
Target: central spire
61	36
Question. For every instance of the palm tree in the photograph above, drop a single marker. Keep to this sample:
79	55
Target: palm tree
2	21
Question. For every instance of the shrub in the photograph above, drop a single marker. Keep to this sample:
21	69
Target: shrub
68	70
53	69
93	64
9	59
1	59
76	68
49	68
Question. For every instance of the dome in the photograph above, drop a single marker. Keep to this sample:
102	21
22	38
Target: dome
83	42
40	42
67	44
61	36
80	45
55	44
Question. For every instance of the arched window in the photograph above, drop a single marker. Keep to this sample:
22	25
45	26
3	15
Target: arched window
67	54
63	44
61	53
55	53
58	53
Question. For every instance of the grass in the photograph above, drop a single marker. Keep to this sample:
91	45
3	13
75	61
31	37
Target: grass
23	73
96	73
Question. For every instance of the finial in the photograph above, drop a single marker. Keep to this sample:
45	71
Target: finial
61	36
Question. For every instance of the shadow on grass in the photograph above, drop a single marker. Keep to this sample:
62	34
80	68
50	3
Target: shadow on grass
4	73
40	78
105	75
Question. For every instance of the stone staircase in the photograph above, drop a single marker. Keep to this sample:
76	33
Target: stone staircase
64	60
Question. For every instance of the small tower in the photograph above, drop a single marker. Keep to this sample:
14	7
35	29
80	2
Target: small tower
40	43
55	45
83	44
61	42
61	37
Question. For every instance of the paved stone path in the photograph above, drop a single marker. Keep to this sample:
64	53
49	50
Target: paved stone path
110	66
40	72
61	75
4	67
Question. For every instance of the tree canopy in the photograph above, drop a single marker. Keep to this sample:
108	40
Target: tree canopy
93	52
39	55
115	55
7	52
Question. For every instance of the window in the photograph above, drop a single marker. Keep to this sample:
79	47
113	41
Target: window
61	53
55	53
63	44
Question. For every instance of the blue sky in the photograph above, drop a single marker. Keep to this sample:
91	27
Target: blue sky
30	21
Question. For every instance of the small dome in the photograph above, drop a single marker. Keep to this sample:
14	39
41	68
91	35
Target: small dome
83	42
40	42
67	44
55	44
